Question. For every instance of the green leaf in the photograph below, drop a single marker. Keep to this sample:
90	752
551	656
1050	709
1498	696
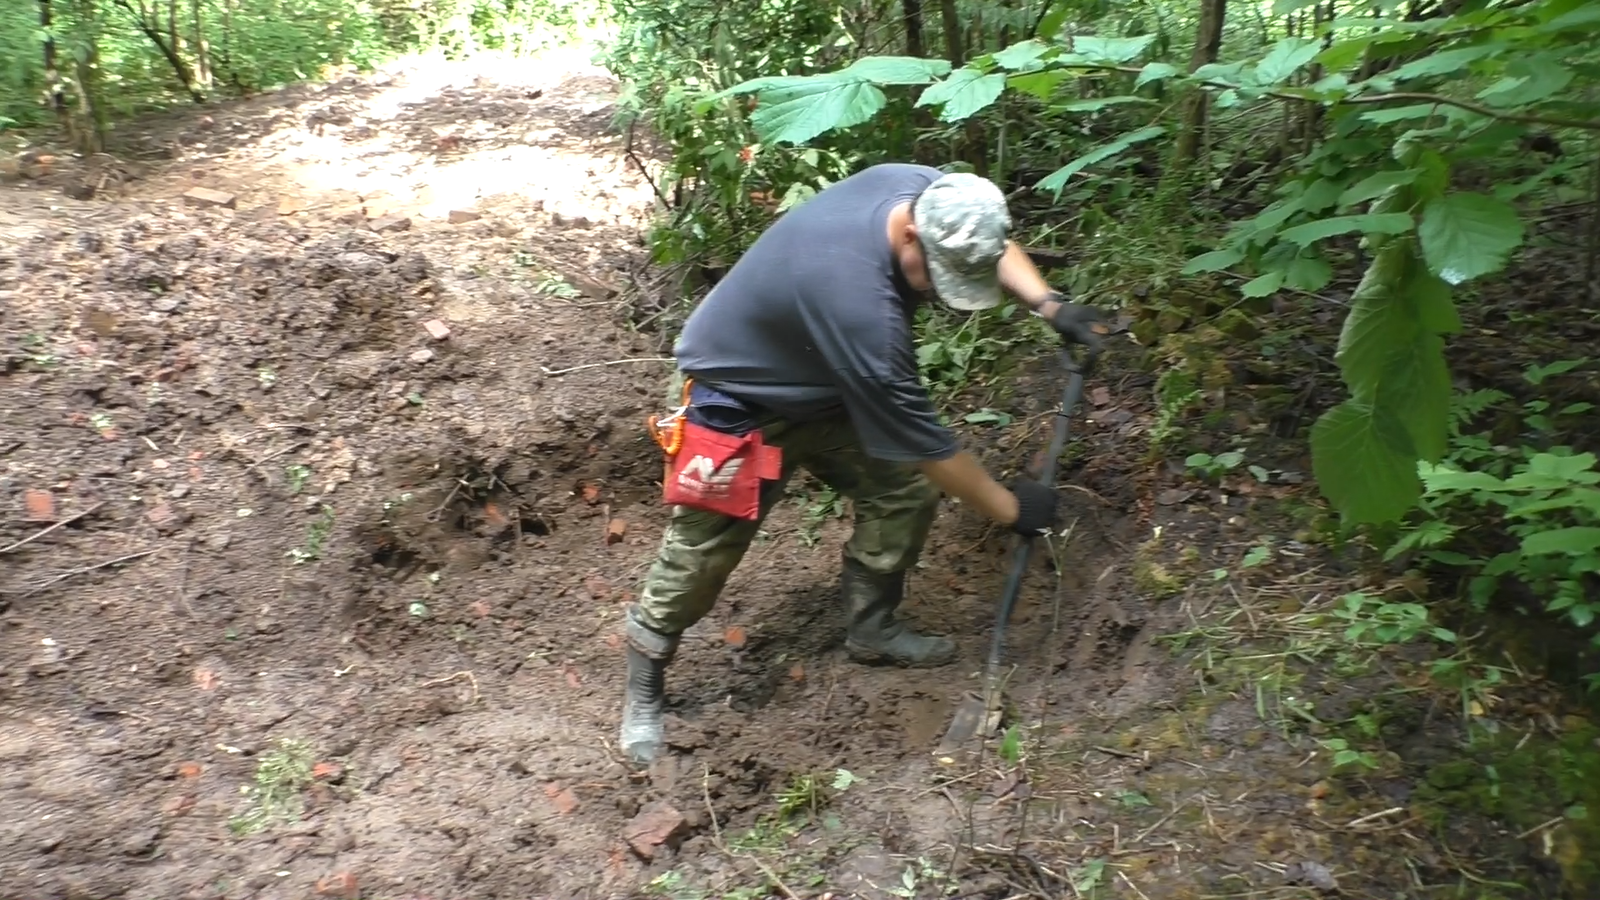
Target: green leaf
1286	58
1575	541
1446	61
796	114
1262	285
1056	181
1374	186
1367	223
1308	272
1364	463
1154	71
1467	235
965	92
1214	261
1039	84
1436	307
1581	19
896	69
1415	384
1220	73
1011	745
1025	55
1111	50
1344	54
1528	80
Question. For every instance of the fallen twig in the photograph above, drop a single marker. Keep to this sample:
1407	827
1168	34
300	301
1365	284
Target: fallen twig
716	838
67	521
85	569
471	679
610	362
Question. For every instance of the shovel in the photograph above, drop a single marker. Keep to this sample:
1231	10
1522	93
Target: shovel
981	711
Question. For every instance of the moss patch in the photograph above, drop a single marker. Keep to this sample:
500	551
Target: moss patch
1526	782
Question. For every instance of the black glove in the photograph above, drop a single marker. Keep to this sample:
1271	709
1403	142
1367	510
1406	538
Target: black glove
1076	321
1036	507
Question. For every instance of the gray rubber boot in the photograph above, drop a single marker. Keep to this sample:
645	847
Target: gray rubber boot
873	633
649	652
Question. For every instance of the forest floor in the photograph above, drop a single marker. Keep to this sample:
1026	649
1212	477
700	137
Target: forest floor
315	598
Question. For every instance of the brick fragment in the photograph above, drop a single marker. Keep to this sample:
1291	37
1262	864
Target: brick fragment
656	826
437	329
199	196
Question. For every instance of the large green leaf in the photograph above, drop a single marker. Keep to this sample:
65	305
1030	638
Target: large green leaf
1308	272
1529	79
1364	463
1446	61
1377	327
1431	297
1286	58
1344	54
1214	261
1025	55
1154	71
796	108
1056	181
1373	186
1039	84
799	112
1113	50
965	92
896	69
1467	235
1576	541
1416	386
1367	223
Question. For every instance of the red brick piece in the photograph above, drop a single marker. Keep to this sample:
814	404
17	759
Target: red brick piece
657	825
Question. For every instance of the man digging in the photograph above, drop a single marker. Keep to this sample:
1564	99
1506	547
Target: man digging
802	356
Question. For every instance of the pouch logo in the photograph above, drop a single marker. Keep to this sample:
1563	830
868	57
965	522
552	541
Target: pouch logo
703	476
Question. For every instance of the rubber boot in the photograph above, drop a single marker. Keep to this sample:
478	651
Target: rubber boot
873	633
649	652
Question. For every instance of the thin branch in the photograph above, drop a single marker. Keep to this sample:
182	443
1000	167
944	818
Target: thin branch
67	521
609	362
86	569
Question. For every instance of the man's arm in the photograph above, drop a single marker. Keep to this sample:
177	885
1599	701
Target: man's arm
1021	277
962	477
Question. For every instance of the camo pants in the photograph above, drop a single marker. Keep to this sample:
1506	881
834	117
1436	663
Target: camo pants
894	508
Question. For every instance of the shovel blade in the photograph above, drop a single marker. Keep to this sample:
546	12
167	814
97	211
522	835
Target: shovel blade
977	714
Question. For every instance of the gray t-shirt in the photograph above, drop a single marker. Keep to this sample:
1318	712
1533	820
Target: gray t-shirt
815	319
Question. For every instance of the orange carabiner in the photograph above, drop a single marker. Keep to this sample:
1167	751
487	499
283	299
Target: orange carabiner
670	438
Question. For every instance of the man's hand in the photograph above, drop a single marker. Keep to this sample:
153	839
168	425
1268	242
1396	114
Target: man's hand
1036	507
1077	322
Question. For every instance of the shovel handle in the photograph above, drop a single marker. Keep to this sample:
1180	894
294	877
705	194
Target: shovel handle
1077	369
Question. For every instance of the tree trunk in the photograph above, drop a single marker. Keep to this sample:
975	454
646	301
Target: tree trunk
954	47
1208	42
150	25
55	91
911	15
202	48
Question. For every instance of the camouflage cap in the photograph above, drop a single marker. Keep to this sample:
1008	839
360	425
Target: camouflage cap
962	222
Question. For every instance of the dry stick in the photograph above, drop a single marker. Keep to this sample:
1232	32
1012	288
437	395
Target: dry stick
67	521
610	362
471	679
86	569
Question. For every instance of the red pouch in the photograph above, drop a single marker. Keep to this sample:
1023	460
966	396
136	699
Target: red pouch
720	473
